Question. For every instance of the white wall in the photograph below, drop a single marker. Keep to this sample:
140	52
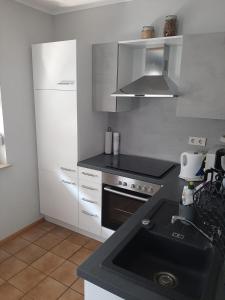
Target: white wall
153	129
20	26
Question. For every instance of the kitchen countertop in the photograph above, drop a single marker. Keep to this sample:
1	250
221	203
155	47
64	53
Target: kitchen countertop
92	269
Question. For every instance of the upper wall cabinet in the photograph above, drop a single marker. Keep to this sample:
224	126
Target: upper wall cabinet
51	75
105	79
202	82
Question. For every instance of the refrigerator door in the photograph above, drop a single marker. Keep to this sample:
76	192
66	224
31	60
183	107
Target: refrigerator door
55	65
56	129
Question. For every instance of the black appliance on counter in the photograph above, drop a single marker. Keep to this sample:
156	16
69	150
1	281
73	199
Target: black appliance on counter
122	196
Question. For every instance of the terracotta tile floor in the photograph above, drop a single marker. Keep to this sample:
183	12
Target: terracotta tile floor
41	264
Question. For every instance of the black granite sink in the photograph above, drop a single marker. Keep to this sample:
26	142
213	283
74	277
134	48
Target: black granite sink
178	269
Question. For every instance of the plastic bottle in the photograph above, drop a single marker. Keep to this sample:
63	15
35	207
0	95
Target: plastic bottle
188	192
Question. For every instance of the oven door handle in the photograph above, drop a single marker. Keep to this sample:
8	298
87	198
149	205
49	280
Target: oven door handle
107	189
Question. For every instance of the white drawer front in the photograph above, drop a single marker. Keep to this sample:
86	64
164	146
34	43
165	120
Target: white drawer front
90	187
68	174
90	217
91	193
90	175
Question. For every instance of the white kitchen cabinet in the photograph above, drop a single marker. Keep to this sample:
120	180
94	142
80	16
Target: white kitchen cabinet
90	206
55	84
55	65
90	217
58	196
94	292
106	79
90	175
91	192
107	233
90	203
202	87
56	128
90	200
66	127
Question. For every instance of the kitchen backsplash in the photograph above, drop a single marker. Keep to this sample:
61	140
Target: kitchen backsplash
154	130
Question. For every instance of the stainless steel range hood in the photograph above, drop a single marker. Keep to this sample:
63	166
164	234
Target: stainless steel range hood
155	82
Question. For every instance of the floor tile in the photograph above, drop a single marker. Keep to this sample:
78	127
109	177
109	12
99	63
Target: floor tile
48	241
1	281
3	255
27	279
48	263
61	232
30	253
71	295
80	256
48	289
15	245
66	273
46	226
78	286
9	292
65	249
11	267
78	239
33	234
93	245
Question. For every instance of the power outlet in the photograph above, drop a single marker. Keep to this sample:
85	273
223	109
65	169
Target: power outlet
197	141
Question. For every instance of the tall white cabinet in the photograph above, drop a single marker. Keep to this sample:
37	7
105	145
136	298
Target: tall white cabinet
55	93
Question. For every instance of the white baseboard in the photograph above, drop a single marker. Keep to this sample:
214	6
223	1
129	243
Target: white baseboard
76	229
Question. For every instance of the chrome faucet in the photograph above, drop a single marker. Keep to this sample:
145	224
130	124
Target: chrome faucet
182	219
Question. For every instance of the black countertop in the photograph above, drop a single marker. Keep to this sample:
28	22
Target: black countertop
92	269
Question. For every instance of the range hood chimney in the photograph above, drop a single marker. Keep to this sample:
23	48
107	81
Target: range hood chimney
155	82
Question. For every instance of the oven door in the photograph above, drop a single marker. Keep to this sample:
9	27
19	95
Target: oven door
118	205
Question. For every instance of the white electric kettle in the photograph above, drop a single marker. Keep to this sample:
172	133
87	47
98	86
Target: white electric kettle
192	166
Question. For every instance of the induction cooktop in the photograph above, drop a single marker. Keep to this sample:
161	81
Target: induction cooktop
141	165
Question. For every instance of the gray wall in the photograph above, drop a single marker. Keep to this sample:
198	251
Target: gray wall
20	26
153	129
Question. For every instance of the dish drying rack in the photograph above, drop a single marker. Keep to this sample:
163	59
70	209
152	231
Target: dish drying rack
209	204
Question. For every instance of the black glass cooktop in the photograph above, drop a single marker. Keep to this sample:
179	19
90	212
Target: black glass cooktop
141	165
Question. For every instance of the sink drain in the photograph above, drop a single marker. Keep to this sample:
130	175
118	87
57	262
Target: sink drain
166	280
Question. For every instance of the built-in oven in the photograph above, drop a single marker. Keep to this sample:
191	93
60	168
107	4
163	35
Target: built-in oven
122	197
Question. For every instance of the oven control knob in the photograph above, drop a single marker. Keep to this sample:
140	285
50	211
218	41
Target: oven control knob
120	183
145	188
124	184
139	187
151	190
133	186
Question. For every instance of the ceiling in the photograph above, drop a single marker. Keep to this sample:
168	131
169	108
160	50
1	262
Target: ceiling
56	7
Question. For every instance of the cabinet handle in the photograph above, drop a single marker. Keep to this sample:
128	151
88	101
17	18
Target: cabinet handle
89	201
89	174
68	182
88	214
66	82
89	188
66	169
